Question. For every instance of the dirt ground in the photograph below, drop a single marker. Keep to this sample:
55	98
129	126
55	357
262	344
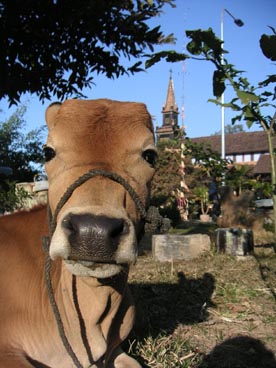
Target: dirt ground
217	311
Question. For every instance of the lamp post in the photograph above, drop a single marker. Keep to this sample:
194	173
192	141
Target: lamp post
239	23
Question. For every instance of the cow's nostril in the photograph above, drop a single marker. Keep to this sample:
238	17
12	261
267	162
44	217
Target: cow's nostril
94	237
120	228
68	224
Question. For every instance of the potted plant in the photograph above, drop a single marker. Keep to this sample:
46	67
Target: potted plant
201	194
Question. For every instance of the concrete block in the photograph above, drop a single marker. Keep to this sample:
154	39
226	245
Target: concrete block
170	247
234	241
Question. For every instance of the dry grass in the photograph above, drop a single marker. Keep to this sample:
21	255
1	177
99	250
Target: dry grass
214	312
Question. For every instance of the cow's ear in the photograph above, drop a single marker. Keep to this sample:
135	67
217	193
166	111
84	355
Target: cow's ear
51	113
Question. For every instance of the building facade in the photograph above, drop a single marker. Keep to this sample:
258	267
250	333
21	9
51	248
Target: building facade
243	148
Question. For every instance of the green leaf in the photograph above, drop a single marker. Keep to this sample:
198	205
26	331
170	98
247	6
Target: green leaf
204	42
236	118
218	83
271	79
217	102
136	67
250	115
247	97
268	46
194	48
170	56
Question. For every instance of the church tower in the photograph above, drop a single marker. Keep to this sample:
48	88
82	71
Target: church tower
170	113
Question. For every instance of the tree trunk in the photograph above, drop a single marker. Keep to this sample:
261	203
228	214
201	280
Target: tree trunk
273	178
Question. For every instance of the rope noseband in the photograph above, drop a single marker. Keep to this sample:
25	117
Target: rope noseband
91	174
52	227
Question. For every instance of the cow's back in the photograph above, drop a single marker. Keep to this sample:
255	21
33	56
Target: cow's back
21	262
21	236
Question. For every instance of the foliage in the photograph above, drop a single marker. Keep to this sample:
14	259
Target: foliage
262	189
230	129
22	152
200	40
206	159
19	150
267	44
201	194
171	212
11	198
238	178
202	165
207	166
166	180
56	47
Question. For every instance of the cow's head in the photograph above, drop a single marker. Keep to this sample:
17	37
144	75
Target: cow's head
97	227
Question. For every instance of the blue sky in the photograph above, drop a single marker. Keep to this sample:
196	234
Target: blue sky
192	80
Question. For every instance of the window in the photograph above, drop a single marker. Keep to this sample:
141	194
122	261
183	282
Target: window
256	156
239	158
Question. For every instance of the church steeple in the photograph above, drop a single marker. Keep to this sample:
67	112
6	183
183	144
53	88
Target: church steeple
170	113
170	108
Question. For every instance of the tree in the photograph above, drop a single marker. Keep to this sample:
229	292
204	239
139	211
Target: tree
230	129
202	164
11	198
55	47
166	180
20	151
207	162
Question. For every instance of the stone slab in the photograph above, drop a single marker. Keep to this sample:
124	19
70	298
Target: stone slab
234	241
170	247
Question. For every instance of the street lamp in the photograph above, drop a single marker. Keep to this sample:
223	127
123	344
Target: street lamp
239	23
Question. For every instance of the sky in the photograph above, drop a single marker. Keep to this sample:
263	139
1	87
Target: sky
192	79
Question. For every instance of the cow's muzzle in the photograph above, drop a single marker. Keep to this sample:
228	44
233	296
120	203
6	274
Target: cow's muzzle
94	237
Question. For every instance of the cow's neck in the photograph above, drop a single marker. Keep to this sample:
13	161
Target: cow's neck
77	296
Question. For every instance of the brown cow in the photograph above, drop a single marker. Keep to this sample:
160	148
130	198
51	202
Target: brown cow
103	151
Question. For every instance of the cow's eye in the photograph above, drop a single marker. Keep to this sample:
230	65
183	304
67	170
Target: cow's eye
49	153
150	156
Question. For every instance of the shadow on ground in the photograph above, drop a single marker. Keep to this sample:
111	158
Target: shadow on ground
267	271
161	307
239	352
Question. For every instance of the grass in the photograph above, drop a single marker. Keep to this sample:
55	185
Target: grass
213	312
167	351
194	227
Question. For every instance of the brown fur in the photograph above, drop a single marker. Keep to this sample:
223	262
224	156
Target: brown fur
86	135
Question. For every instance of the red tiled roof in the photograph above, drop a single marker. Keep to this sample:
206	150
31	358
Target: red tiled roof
263	165
238	143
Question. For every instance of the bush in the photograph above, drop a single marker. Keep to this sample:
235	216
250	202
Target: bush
11	198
